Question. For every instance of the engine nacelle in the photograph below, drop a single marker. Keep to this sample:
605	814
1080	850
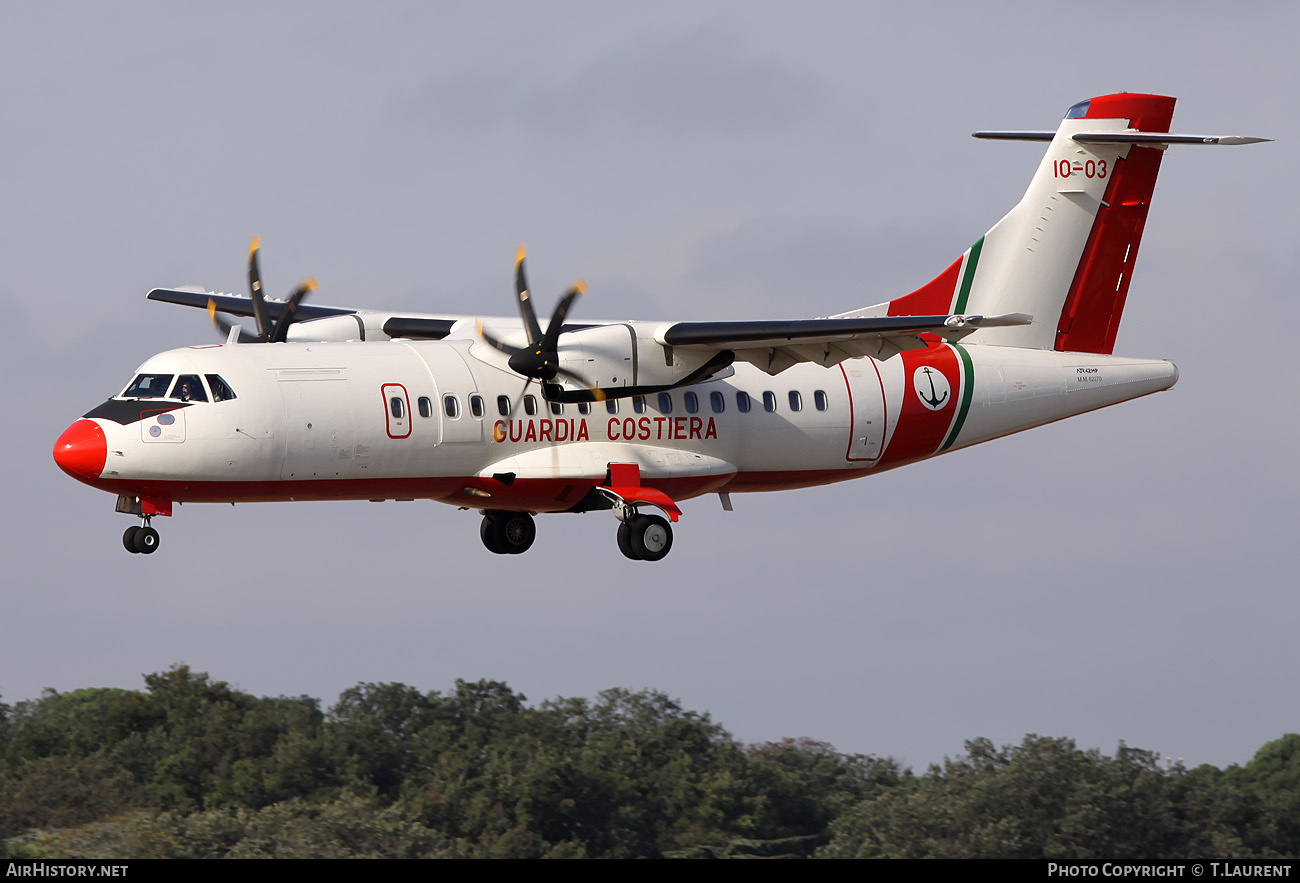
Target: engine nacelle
331	328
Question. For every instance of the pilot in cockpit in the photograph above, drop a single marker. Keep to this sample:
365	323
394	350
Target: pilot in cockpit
186	393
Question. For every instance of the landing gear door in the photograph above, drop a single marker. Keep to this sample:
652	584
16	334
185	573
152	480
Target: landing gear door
867	417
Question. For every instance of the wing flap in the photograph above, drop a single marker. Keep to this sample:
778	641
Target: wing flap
775	346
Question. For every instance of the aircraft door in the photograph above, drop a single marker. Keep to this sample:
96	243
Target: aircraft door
319	431
455	386
867	407
397	410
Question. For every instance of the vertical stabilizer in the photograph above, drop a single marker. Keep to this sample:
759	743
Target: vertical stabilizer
1065	253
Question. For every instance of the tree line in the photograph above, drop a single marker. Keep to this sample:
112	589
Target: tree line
192	768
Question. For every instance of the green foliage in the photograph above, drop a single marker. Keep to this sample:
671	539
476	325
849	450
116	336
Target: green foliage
1046	799
194	768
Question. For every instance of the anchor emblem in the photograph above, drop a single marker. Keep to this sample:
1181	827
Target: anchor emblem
924	380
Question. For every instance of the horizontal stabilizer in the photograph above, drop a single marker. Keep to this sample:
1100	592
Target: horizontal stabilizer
1127	137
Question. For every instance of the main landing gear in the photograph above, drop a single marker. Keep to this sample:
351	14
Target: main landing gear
141	538
641	536
645	537
507	533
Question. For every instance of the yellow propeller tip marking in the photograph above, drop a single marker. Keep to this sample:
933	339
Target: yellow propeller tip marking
212	309
519	255
311	284
581	286
254	245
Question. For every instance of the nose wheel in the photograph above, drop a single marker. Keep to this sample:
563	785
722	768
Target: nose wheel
507	533
141	539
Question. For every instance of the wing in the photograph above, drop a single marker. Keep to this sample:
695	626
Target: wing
317	322
775	346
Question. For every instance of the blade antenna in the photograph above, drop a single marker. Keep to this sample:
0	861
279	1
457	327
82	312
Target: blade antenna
225	327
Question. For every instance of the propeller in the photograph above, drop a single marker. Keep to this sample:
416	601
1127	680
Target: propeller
540	359
268	330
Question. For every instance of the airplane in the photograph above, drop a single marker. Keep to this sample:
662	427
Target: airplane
513	417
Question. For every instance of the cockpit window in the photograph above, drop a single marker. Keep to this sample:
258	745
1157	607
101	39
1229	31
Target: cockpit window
1078	111
221	391
189	389
149	386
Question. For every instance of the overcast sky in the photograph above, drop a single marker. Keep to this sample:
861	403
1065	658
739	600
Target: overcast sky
1123	575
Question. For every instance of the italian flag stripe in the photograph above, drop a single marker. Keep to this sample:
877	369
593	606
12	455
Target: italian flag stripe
967	379
968	277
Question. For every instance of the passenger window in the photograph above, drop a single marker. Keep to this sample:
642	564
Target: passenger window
638	404
769	401
189	389
819	399
718	402
796	400
742	402
425	404
665	403
611	406
476	405
503	406
221	391
451	406
692	402
557	408
584	407
149	386
530	406
395	406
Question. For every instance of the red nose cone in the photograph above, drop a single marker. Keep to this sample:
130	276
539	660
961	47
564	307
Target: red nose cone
81	450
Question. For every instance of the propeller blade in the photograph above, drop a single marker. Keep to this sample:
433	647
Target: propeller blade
554	392
260	314
290	308
495	342
531	328
514	405
551	338
224	327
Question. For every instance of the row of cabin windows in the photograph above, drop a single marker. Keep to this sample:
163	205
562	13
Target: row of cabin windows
690	402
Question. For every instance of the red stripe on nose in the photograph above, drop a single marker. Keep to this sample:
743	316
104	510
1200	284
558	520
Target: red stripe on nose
81	450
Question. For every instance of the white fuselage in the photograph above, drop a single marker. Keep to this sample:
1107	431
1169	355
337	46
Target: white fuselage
429	419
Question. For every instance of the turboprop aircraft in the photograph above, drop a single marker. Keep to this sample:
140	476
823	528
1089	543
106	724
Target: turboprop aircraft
514	417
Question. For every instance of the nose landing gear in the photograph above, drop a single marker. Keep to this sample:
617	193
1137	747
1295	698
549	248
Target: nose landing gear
141	538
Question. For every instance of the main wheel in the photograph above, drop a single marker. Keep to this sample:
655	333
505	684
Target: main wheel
650	537
487	532
515	531
625	541
128	538
508	533
146	540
